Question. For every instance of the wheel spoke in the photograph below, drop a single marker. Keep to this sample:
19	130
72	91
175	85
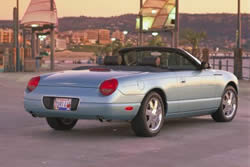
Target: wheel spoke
151	104
159	111
231	95
155	123
148	112
149	122
227	96
233	101
156	105
224	102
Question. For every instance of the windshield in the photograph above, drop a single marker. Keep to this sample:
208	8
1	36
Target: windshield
167	60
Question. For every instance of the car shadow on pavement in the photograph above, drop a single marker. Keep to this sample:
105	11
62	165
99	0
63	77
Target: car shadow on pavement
96	131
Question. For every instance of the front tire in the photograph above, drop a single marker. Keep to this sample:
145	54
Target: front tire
228	107
150	118
61	124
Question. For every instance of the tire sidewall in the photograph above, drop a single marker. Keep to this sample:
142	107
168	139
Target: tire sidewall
57	124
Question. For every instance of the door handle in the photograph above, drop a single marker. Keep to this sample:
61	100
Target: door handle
217	74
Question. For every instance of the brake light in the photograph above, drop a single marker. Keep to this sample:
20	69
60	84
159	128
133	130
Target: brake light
129	108
108	87
99	70
33	83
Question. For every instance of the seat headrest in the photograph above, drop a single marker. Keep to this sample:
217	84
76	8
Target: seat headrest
150	61
113	60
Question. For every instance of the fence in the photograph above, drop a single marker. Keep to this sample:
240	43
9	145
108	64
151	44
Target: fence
226	63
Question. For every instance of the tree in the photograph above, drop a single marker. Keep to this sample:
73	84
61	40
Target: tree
113	48
247	44
98	52
116	46
107	49
193	38
156	41
128	44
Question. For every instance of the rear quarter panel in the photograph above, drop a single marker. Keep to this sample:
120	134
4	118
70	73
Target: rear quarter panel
143	84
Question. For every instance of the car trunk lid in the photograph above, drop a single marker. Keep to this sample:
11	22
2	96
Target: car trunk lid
84	78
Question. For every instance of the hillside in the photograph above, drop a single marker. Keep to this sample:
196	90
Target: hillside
217	26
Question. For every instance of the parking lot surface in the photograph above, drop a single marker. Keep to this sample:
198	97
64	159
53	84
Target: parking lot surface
191	142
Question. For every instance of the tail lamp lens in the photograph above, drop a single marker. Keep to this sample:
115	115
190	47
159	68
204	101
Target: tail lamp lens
33	83
108	87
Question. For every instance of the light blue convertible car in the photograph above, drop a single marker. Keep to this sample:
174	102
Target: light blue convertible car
142	85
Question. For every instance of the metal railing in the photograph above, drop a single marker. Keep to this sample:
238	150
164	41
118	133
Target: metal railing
227	63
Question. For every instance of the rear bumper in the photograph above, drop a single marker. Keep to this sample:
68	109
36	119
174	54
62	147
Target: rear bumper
84	111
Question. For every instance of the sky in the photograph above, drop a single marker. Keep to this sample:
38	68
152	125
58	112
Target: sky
108	8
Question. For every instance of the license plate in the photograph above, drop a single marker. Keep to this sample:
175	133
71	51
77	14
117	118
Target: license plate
62	104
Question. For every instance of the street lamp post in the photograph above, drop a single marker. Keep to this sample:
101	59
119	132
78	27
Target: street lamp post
52	39
239	26
125	33
238	50
141	25
177	25
155	34
17	37
112	45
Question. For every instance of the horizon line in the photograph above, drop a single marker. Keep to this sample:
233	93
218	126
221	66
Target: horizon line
136	14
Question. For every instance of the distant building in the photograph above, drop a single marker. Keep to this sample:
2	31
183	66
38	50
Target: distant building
92	36
104	36
118	35
61	44
79	37
89	36
67	35
6	36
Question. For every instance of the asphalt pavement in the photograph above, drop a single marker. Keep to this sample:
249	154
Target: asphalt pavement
191	142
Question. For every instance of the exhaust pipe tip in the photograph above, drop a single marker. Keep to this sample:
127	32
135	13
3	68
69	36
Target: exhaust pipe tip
33	115
101	119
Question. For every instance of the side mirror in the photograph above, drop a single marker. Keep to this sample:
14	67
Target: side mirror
205	65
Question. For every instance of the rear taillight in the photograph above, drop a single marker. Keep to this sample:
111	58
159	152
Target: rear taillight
33	83
108	87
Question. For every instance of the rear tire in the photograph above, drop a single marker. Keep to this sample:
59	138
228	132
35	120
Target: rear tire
228	107
61	124
150	118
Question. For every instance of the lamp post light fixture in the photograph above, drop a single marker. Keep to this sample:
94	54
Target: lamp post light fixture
125	32
112	45
154	11
42	37
34	25
155	34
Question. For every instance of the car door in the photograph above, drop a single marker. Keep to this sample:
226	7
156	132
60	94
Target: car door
196	88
